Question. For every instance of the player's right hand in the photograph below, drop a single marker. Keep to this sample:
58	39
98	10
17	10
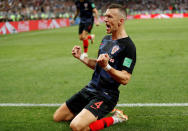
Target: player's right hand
76	51
97	23
72	21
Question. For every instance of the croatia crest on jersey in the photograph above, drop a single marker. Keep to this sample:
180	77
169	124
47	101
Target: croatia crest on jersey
115	49
86	6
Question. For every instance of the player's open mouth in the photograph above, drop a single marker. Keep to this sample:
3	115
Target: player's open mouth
107	27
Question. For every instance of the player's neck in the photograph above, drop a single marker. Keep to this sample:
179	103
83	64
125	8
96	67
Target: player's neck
121	33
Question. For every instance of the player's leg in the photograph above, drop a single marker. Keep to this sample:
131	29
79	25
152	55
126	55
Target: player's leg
84	30
87	121
63	114
97	107
100	106
91	37
118	117
88	29
83	36
82	121
72	107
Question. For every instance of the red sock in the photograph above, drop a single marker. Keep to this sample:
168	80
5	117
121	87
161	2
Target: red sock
89	37
85	44
101	124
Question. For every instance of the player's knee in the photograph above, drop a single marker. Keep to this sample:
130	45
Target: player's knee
76	126
56	117
82	37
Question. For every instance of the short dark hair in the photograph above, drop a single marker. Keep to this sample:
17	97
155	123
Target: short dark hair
120	7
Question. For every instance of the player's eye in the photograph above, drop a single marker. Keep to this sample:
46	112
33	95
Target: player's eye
108	16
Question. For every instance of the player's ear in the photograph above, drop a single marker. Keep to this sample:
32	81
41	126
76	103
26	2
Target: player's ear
121	21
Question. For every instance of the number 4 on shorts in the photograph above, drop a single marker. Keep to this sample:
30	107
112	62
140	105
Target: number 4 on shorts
97	105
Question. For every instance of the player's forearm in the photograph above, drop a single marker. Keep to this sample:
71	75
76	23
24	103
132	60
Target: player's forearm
96	14
91	63
76	15
122	77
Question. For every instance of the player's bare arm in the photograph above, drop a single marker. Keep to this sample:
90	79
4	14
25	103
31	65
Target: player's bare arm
76	52
75	16
122	77
96	16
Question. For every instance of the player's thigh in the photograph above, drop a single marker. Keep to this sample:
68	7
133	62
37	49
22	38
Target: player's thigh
83	120
63	114
88	27
101	106
78	101
81	29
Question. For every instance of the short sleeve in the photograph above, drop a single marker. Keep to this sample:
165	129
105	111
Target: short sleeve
93	5
129	59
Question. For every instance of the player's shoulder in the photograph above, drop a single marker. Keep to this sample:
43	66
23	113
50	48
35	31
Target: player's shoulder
127	41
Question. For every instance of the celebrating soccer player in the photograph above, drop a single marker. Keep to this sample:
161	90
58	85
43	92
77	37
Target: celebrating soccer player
115	63
86	8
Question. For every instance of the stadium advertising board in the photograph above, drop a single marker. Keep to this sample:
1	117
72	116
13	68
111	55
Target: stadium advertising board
23	26
159	16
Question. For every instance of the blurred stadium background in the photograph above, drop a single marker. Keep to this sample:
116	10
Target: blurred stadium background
36	67
16	10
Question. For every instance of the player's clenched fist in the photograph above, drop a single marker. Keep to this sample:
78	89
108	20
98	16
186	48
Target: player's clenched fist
76	51
103	60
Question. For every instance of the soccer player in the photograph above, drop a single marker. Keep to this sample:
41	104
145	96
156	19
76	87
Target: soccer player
114	66
86	9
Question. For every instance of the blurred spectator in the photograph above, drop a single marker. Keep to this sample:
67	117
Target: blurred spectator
17	10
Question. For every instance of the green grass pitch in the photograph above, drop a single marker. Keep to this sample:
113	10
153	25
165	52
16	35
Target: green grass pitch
37	67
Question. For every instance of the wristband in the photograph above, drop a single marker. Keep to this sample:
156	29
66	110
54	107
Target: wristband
107	68
82	57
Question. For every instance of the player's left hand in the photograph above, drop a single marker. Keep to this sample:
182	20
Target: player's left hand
103	60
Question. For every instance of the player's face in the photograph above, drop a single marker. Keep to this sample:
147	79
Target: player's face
111	19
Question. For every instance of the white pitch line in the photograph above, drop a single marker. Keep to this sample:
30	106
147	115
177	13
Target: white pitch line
28	104
152	104
118	105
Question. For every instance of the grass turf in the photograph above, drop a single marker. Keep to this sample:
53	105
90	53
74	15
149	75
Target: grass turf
140	118
37	67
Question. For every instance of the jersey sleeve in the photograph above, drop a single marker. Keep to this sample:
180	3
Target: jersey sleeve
129	59
92	5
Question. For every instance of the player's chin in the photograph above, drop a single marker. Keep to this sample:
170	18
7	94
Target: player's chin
108	31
